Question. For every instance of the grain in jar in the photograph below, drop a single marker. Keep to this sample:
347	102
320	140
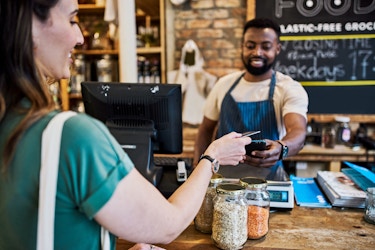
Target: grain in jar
203	220
258	201
229	226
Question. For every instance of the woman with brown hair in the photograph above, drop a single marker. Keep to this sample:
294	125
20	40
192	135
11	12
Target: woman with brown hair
97	184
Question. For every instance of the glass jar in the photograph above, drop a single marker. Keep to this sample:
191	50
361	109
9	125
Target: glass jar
370	205
104	69
258	211
343	133
203	220
99	36
229	225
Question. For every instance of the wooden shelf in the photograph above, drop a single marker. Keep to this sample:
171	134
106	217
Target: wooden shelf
64	94
324	118
96	52
86	8
75	96
334	156
152	10
149	50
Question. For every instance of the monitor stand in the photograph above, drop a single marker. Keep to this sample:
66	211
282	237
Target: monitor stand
138	144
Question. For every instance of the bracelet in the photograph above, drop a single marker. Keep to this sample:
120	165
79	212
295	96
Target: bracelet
214	163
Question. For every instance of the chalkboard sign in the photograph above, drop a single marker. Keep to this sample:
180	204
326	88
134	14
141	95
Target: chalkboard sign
328	46
328	62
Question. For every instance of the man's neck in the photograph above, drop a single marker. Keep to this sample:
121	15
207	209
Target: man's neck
257	78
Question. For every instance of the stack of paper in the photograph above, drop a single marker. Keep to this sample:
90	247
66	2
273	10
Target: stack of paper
307	192
341	190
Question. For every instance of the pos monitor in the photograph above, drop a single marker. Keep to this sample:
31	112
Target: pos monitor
144	119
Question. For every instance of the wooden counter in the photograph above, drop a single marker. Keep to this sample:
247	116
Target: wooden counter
301	228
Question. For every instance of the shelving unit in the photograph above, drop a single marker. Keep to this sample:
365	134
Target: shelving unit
149	12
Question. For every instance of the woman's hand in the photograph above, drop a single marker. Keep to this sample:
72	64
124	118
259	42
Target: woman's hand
228	149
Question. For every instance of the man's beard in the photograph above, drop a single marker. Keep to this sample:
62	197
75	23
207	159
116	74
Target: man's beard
257	70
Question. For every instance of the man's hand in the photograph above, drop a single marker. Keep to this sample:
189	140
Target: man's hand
265	158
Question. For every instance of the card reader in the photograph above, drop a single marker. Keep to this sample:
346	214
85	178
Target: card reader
281	194
181	172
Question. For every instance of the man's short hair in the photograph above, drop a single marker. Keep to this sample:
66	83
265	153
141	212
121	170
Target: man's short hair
262	23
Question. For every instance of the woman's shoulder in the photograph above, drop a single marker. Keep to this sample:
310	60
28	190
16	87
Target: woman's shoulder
83	125
82	119
83	133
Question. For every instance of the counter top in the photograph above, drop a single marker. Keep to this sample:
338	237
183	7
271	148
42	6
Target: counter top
300	228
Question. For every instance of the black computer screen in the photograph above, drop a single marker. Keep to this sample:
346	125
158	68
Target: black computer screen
144	119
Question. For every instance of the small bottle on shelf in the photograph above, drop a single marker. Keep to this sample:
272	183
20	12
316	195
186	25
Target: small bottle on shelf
78	74
343	129
140	65
329	136
147	71
104	68
155	72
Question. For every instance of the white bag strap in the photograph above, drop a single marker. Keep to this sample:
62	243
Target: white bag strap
51	142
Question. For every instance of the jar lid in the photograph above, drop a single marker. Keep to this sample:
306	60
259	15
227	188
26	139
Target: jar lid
217	178
230	188
253	182
342	119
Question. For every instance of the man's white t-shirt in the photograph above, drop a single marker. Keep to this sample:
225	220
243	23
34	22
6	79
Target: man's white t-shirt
289	96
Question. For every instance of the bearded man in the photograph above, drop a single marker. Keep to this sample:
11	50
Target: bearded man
257	98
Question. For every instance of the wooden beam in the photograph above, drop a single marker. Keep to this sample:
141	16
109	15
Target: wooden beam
250	13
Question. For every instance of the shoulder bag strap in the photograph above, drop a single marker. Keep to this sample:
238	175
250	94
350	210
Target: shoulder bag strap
51	141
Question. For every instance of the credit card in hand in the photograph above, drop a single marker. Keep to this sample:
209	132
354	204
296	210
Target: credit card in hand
250	133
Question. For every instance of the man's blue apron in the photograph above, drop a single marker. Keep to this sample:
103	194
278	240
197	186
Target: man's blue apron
247	116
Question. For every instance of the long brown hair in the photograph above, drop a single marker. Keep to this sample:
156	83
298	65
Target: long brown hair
20	76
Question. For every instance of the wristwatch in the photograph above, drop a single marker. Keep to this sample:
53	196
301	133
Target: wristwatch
214	163
284	150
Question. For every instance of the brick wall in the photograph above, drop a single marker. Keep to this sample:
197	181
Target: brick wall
216	27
